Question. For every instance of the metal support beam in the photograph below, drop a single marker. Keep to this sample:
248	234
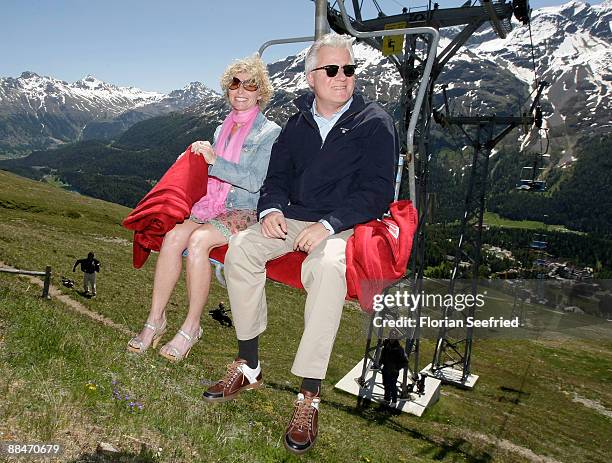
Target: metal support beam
433	47
321	24
441	17
451	361
283	41
456	44
496	23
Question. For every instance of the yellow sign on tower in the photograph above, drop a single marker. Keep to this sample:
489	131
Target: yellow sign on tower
393	44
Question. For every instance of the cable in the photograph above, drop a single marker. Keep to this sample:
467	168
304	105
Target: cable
535	74
380	12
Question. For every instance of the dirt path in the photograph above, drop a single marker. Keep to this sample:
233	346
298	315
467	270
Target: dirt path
592	404
510	446
75	305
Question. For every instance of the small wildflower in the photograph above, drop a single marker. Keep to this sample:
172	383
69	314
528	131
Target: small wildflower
123	396
91	387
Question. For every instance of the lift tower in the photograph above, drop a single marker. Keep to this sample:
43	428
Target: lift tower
451	360
411	66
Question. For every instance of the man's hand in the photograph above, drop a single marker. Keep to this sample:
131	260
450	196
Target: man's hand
310	237
273	225
205	149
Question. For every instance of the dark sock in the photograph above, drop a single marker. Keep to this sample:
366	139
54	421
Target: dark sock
311	385
249	351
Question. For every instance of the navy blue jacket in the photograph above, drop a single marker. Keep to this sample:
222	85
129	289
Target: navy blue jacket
347	180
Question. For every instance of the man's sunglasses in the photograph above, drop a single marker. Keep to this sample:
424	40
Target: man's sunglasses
248	85
332	69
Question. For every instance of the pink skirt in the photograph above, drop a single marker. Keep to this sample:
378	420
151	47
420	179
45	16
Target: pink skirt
231	222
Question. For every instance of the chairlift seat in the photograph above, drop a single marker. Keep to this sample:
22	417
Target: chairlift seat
531	185
285	269
386	243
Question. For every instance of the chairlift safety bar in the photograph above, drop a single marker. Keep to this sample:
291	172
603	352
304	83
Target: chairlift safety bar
433	47
283	41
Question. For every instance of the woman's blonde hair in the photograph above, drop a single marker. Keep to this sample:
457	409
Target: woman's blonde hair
256	68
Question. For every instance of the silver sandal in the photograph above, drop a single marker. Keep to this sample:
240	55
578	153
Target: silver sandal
137	345
172	353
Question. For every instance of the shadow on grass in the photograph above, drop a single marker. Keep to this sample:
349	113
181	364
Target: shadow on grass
383	416
455	448
145	456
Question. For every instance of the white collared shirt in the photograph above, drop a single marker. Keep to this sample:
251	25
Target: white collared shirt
325	125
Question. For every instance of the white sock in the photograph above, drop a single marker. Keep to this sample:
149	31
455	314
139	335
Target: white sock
251	373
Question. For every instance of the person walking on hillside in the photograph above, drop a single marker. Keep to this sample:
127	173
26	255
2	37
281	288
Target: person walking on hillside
332	167
393	358
89	266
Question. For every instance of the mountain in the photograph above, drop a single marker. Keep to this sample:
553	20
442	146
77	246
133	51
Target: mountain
38	112
572	51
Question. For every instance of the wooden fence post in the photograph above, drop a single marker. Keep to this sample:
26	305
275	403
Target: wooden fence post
45	293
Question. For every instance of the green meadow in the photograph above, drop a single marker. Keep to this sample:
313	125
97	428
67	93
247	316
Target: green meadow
66	378
494	220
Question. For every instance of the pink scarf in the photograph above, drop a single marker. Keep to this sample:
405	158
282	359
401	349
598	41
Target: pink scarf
213	203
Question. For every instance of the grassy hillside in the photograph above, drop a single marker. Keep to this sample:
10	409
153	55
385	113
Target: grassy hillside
540	400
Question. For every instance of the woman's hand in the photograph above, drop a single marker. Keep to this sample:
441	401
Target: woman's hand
205	149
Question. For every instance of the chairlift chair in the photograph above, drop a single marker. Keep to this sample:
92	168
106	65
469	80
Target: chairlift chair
529	179
286	269
539	242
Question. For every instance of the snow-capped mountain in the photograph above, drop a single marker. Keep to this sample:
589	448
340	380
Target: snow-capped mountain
572	52
176	100
38	111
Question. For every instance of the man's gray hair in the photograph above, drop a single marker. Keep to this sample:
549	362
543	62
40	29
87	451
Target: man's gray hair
328	40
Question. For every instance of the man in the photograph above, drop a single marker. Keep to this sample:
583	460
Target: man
89	267
392	359
331	168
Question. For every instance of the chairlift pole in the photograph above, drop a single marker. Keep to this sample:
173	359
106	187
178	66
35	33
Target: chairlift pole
416	108
321	24
452	356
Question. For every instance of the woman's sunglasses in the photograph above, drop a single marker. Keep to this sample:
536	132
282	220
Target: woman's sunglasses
248	85
332	69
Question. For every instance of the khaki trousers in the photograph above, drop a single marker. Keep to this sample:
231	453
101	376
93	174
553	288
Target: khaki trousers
89	282
323	276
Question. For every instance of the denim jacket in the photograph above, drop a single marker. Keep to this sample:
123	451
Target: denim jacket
248	175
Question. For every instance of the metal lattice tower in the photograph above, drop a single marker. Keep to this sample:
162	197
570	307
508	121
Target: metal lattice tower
452	357
411	66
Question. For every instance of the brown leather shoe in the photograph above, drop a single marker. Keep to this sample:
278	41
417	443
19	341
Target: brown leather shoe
304	425
232	384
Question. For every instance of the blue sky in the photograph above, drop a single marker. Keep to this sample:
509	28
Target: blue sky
155	45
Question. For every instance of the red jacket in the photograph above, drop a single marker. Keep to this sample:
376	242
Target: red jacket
378	251
168	203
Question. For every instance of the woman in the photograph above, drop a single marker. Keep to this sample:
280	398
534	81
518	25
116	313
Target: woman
237	167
